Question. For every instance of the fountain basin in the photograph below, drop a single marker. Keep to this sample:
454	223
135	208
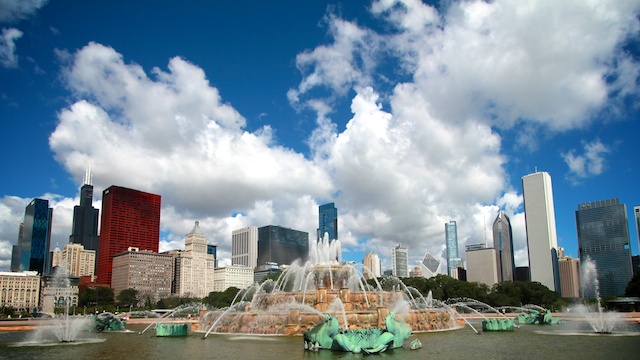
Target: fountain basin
294	313
172	330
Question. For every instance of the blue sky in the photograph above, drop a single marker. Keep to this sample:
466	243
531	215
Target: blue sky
239	113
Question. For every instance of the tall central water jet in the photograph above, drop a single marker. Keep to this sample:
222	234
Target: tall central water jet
600	321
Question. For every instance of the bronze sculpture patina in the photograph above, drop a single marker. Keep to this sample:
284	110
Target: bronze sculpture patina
537	317
328	335
498	324
107	322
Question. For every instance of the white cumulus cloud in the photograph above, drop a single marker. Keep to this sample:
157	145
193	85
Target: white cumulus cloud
170	133
589	164
8	57
15	10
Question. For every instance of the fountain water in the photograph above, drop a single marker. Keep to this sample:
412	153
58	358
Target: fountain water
181	329
64	329
600	321
304	293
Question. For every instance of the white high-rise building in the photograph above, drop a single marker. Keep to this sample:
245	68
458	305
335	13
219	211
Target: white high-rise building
244	247
236	276
371	263
540	221
194	267
400	259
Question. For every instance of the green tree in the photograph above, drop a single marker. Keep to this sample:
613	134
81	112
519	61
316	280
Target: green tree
633	288
221	299
161	304
98	296
274	277
128	297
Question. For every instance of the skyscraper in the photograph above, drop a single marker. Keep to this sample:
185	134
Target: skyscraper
281	245
327	221
569	277
84	230
636	212
503	243
371	265
451	234
79	261
430	265
193	267
130	218
146	271
603	236
35	236
400	259
481	264
244	247
540	221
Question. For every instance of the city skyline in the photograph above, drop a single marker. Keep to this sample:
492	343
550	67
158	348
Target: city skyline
404	114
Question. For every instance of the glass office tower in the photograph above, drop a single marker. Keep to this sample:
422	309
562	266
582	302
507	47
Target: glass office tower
35	237
328	221
282	246
603	236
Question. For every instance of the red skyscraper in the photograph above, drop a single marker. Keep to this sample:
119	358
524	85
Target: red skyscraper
129	218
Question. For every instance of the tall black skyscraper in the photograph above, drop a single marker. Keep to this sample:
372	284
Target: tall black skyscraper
282	245
84	230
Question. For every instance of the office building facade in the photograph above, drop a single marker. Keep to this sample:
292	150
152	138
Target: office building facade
481	264
193	267
146	271
540	221
371	266
283	246
35	237
400	261
130	218
503	243
236	276
244	247
327	221
20	290
569	277
603	236
79	261
451	236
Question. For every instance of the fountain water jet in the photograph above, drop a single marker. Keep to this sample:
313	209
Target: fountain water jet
303	294
64	329
600	321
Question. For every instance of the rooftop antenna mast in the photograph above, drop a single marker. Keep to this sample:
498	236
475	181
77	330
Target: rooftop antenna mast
88	179
484	223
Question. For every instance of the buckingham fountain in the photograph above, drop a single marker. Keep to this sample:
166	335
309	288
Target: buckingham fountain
304	294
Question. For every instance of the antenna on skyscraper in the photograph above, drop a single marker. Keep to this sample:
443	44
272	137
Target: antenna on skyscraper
484	226
87	176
